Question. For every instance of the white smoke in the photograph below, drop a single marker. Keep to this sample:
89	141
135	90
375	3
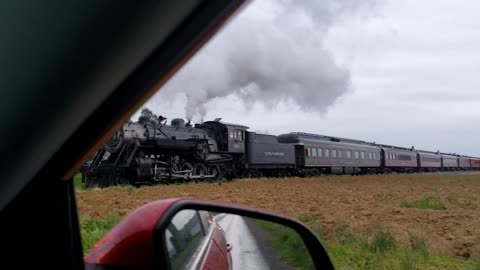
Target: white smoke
273	51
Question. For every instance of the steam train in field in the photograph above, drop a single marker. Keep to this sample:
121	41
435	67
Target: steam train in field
150	151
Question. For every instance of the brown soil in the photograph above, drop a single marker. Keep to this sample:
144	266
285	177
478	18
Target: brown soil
360	202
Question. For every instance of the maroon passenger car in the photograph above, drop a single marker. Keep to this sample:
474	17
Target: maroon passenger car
429	161
475	163
449	162
399	159
464	163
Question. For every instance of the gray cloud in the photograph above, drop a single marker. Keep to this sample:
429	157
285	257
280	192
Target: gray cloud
412	69
272	52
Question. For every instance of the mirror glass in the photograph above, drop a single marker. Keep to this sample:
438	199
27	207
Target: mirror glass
196	239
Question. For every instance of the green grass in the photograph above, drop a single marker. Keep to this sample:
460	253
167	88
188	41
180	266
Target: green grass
383	242
425	203
287	244
476	265
92	230
306	218
364	255
344	235
349	250
77	180
462	203
420	246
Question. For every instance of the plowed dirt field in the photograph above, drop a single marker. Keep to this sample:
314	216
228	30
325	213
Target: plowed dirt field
360	202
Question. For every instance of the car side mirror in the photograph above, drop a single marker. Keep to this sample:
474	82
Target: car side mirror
197	234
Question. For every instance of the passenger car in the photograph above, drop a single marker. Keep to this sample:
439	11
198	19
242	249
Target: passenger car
81	68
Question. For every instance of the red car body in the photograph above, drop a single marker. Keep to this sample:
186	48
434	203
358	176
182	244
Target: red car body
475	163
399	158
464	162
449	161
129	244
218	251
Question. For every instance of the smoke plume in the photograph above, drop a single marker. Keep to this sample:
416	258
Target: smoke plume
272	51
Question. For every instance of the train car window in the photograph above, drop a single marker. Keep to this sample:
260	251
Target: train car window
362	155
349	154
320	152
238	135
314	152
339	153
356	154
334	153
327	152
369	155
231	135
307	152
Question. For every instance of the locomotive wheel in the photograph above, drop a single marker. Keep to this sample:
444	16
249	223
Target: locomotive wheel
200	169
169	180
186	166
91	183
121	181
215	170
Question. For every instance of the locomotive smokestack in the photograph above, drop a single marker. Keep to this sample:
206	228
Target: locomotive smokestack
272	52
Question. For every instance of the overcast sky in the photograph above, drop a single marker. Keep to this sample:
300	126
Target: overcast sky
405	73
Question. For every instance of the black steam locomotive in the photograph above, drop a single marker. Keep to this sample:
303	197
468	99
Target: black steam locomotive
150	151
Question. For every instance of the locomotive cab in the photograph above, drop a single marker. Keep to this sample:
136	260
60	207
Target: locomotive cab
230	137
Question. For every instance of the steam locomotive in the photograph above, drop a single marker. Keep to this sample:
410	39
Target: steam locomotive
150	151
